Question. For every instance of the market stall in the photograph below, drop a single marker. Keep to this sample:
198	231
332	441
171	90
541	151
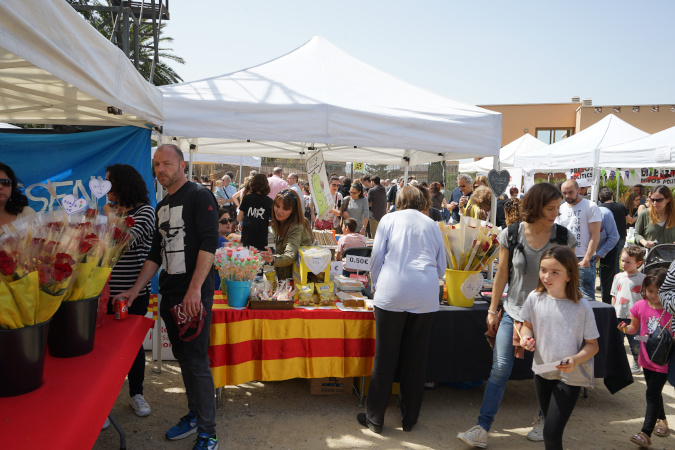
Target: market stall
507	155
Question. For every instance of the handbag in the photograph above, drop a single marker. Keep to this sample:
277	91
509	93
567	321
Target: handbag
185	322
659	343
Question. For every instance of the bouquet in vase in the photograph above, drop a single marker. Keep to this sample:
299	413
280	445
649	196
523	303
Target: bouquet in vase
237	263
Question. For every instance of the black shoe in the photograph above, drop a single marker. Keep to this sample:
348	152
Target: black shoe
407	428
363	420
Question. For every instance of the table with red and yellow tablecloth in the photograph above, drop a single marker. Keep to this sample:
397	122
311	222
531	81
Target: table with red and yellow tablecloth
276	345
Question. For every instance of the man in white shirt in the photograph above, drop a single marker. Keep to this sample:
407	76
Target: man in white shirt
276	183
582	218
229	191
292	181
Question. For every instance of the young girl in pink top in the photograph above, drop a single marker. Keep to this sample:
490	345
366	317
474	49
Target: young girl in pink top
645	315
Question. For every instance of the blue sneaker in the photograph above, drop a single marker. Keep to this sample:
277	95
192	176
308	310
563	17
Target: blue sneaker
206	442
186	426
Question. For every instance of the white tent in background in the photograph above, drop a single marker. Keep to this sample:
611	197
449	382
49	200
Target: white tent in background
657	150
319	97
253	161
524	144
6	125
56	68
582	149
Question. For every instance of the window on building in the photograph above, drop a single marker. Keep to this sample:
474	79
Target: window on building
553	135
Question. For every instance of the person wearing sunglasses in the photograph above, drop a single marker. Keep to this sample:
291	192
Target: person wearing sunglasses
460	195
656	224
290	230
13	204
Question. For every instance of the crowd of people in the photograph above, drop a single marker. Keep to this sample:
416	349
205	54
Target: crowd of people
551	239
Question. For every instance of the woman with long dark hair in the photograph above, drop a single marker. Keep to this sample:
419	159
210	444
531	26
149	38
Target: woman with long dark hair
255	212
290	230
656	224
128	197
632	205
13	204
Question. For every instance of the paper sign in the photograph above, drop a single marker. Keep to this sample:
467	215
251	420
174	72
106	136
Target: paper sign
544	368
662	154
472	285
72	205
100	188
361	263
318	185
317	260
241	254
335	269
358	167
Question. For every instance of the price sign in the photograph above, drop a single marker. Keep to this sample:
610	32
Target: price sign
360	263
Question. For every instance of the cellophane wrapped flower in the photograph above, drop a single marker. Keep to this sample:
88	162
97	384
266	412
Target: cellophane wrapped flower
238	263
102	241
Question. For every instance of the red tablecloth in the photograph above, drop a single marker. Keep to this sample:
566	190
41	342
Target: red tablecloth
68	410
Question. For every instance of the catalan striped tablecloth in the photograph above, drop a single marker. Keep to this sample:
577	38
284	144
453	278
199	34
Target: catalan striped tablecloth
249	345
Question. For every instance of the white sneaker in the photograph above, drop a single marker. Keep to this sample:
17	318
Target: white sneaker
635	368
141	407
476	436
106	424
536	434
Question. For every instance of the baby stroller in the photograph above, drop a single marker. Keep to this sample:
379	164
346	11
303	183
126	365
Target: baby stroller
659	256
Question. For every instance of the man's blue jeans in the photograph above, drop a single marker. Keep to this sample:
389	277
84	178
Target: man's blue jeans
502	364
587	279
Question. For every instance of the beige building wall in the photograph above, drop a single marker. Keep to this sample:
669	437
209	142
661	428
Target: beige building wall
645	119
520	119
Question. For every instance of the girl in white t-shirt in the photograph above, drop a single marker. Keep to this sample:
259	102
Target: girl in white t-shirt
566	340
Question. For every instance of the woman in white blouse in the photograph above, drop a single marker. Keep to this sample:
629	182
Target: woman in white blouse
407	261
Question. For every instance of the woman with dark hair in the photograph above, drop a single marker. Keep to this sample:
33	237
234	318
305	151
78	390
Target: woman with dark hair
632	204
407	261
290	230
656	224
255	212
433	213
536	233
13	204
437	199
128	197
356	207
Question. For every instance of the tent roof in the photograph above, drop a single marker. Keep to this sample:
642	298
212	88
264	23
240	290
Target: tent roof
56	68
320	96
253	161
524	144
641	152
581	149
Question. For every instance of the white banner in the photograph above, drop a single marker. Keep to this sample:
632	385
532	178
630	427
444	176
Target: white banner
648	177
581	174
318	181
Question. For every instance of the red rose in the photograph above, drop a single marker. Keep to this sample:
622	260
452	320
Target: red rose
124	238
49	247
62	271
85	246
116	233
129	221
44	273
91	212
64	258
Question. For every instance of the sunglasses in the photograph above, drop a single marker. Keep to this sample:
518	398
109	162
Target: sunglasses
226	221
462	185
5	182
655	200
335	185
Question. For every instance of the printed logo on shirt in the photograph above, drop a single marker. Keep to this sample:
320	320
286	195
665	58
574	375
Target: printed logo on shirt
210	208
652	323
256	212
172	229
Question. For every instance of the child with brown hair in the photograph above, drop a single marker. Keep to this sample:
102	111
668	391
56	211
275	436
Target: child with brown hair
566	340
646	315
625	292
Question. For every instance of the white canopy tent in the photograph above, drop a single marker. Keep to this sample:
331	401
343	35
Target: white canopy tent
656	150
581	149
253	161
524	144
56	68
319	97
6	125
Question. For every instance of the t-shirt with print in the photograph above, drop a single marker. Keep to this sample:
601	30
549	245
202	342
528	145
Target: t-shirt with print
560	327
626	290
187	222
257	209
649	320
576	219
525	271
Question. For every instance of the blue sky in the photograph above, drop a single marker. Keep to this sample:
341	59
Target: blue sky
478	52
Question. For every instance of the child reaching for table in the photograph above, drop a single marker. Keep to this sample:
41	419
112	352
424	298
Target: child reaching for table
566	340
626	292
645	316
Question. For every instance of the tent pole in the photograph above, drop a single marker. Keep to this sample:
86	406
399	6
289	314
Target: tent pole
618	183
406	158
240	170
190	165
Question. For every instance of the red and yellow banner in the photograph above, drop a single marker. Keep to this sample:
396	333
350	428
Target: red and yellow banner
249	345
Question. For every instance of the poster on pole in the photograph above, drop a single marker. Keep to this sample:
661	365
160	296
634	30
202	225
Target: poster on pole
318	181
582	173
648	177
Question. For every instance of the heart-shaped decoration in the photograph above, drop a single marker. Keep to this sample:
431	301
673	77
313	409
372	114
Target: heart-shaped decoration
499	181
99	188
72	205
472	285
317	260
